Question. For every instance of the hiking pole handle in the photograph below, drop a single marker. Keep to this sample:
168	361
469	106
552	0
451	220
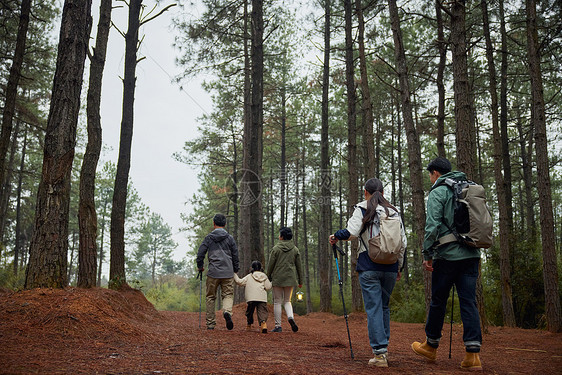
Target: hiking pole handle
337	250
200	275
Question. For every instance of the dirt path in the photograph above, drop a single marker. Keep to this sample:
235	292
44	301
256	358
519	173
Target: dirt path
77	331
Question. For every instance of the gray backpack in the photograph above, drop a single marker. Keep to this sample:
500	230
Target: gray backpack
472	220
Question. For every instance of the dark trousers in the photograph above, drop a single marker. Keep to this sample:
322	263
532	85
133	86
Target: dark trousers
463	274
261	308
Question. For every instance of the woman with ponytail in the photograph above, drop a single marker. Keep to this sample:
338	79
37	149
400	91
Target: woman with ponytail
377	280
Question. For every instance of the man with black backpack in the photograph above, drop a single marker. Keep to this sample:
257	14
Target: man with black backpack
452	262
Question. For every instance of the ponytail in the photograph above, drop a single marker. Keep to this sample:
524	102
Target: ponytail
374	187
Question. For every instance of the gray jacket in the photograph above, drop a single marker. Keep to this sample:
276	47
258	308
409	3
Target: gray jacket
222	254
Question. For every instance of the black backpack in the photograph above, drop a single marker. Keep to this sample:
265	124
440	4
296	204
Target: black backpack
472	225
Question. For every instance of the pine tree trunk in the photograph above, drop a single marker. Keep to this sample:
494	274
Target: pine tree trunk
283	176
505	268
256	144
117	235
18	235
417	263
10	99
353	191
466	148
105	196
442	48
243	239
529	207
367	107
324	200
7	185
506	157
550	268
48	250
414	153
305	236
87	218
296	205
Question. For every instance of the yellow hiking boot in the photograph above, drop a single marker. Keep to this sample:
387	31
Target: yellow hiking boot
472	362
425	350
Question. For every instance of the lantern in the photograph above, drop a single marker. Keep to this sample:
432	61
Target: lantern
300	296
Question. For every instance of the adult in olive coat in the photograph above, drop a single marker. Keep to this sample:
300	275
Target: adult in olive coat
285	271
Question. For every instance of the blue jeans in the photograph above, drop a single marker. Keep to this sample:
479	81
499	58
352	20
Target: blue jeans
463	274
376	287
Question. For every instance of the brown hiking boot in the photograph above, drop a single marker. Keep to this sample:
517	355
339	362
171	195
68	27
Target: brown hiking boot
425	350
249	327
263	327
472	362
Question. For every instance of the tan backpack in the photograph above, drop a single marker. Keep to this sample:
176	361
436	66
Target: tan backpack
385	247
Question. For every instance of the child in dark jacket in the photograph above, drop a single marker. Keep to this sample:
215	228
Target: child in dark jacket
257	284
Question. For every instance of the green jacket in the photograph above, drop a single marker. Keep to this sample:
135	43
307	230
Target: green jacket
440	214
284	267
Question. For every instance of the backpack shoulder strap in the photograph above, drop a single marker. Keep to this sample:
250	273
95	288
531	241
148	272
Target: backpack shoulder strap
363	211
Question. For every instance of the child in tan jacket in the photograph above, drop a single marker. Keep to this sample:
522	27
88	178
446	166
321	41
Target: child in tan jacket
257	284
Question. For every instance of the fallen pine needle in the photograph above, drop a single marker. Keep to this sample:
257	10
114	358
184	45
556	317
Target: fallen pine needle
527	350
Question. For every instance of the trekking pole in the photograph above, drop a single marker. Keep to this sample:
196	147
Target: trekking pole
336	249
200	277
452	309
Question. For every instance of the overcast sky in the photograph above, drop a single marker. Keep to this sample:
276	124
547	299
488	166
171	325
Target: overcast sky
164	117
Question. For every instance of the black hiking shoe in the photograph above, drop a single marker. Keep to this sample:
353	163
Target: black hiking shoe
277	329
229	324
294	326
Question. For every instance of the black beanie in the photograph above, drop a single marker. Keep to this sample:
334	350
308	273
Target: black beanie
440	165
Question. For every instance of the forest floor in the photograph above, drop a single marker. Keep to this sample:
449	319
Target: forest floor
99	331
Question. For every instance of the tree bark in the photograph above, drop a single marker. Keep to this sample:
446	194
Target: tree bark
305	236
324	200
105	196
117	235
11	96
414	153
244	230
550	268
283	176
529	207
442	48
367	107
353	194
466	149
256	144
251	221
505	267
48	250
87	218
18	234
7	185
506	157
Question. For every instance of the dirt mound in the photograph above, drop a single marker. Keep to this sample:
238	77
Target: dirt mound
88	331
79	313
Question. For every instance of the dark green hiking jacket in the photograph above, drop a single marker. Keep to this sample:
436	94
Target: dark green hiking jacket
440	214
284	267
